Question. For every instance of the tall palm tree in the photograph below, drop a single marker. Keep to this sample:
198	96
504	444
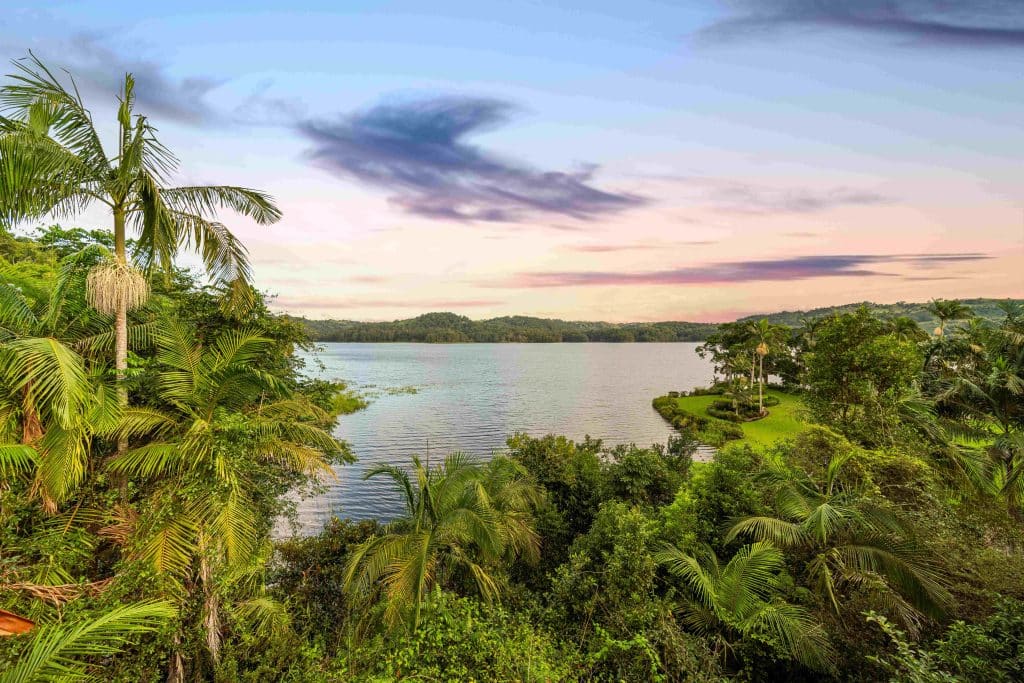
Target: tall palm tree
69	652
744	598
848	541
767	338
946	310
55	164
223	418
459	516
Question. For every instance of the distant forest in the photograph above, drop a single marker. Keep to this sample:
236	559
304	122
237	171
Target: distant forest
449	328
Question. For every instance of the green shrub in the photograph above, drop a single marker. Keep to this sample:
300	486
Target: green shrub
461	640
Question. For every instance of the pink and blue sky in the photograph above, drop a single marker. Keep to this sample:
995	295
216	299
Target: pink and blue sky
686	160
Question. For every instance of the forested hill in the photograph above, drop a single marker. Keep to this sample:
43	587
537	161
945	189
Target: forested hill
983	308
452	328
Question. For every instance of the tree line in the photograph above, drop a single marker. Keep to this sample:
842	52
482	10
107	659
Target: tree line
450	328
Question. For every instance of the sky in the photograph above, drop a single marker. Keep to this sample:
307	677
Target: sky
688	160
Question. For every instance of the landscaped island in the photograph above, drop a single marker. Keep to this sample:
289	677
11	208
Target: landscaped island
690	413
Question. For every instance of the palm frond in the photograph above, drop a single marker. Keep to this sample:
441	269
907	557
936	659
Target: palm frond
780	532
803	638
69	652
205	201
169	545
53	374
16	460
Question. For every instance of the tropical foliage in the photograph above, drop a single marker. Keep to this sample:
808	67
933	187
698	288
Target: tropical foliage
156	427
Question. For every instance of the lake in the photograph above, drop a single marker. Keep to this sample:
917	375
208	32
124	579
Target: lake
471	397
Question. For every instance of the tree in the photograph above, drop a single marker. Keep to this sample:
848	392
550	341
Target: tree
743	598
55	164
224	417
946	310
460	516
907	329
981	388
847	540
769	338
50	397
855	362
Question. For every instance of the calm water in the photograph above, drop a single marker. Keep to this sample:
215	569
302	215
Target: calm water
471	397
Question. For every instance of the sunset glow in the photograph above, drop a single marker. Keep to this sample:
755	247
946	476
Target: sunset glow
642	161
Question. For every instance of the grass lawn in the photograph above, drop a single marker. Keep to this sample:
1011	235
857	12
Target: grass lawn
783	420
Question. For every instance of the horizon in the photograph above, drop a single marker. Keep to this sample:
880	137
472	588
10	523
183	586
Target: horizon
766	314
700	161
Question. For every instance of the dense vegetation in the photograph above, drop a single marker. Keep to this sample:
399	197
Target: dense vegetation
921	313
449	328
152	427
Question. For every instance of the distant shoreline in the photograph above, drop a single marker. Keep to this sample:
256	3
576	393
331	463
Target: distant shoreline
450	328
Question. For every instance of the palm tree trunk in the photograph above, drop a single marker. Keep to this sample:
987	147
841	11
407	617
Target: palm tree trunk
121	325
760	389
176	666
211	605
32	427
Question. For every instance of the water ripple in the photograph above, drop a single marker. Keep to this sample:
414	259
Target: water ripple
471	397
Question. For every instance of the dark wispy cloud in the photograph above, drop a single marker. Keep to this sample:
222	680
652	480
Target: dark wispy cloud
418	151
930	23
99	66
99	69
794	268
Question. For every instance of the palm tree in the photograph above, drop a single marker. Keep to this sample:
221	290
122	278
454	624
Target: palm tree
907	329
55	164
62	652
946	310
767	336
985	396
848	541
223	418
743	598
460	516
49	396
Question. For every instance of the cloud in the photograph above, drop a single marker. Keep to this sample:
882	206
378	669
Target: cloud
286	302
794	268
741	197
369	279
928	23
640	246
418	152
99	69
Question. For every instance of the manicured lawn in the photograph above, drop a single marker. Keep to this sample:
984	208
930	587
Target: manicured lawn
783	420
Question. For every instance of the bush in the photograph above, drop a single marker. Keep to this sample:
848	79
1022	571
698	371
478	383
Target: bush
711	431
461	640
990	651
309	574
642	476
713	390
